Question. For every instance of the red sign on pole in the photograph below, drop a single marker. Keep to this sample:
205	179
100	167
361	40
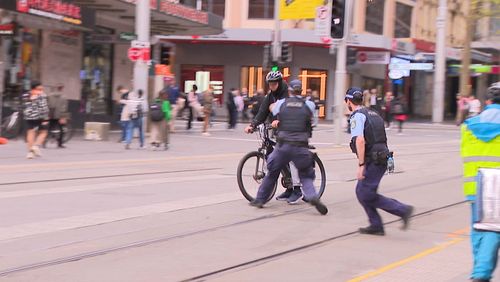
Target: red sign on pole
142	54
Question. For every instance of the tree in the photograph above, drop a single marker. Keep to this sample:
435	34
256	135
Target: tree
477	9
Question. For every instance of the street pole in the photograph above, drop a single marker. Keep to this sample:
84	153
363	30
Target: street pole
465	86
277	31
440	67
341	75
142	29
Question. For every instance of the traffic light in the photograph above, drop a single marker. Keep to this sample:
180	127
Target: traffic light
338	16
275	67
267	56
165	55
286	53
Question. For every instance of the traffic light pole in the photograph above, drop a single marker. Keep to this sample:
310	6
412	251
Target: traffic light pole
340	76
439	72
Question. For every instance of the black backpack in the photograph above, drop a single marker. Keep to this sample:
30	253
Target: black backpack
155	112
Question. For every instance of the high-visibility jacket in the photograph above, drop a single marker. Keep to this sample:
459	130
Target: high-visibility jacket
476	152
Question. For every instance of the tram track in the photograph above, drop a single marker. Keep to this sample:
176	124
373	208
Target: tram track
107	176
162	239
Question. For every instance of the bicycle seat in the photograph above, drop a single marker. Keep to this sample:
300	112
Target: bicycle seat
311	147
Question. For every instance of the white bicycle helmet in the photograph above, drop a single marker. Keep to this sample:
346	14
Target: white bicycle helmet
274	76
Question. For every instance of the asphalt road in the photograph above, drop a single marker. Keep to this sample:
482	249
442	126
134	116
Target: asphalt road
96	212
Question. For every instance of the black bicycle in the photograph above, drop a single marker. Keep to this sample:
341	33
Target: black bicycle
253	168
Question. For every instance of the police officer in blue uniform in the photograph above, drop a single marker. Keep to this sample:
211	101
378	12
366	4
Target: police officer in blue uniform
294	115
369	143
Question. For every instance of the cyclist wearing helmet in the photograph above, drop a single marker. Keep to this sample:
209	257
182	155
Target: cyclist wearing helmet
279	90
294	122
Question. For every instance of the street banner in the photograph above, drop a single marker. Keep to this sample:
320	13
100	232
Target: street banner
299	9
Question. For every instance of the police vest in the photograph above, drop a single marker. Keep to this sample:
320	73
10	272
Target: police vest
477	154
295	120
374	131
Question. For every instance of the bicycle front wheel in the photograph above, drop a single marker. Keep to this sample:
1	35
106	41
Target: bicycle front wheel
251	172
11	127
320	181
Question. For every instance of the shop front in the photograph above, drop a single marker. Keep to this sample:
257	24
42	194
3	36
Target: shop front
45	45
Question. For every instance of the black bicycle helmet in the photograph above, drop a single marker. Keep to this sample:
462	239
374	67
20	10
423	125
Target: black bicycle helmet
494	93
274	76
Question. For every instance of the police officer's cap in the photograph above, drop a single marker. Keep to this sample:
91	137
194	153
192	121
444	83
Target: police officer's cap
354	94
296	85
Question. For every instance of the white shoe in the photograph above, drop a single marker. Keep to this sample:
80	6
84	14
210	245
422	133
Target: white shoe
205	134
36	150
30	155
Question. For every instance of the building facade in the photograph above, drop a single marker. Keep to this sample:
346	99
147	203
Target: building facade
382	31
82	47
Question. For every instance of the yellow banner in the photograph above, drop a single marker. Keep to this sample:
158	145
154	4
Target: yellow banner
299	9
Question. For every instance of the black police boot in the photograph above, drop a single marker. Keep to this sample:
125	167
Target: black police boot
320	207
372	231
257	203
406	218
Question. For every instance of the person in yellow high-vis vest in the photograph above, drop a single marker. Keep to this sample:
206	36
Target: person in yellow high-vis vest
480	148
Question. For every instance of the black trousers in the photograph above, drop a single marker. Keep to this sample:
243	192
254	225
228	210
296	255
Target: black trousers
55	124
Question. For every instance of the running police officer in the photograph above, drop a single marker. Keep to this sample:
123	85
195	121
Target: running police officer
369	143
294	129
279	90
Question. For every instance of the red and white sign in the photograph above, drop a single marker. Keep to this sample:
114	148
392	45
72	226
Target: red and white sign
139	54
322	21
375	58
51	7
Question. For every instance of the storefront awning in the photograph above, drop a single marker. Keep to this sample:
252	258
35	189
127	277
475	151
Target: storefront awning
166	18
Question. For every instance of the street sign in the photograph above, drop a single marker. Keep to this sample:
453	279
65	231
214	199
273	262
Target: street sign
376	58
411	66
139	54
322	21
127	36
395	74
140	44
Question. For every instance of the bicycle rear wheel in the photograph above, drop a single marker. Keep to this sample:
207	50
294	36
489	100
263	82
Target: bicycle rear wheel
68	132
251	171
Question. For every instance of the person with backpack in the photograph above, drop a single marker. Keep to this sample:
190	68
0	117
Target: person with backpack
399	111
136	107
160	113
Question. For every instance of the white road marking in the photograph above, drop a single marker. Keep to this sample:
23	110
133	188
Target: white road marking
91	219
111	185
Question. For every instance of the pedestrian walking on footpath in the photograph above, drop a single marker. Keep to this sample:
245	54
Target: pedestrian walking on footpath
480	148
400	112
58	113
160	114
136	107
369	143
124	119
208	100
36	114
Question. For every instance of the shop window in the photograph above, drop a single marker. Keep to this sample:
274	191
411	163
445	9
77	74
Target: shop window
204	77
253	78
375	16
402	27
315	80
217	7
261	9
96	77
